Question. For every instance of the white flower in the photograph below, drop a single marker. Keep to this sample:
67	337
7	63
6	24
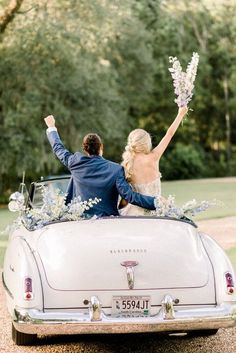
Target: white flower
54	209
167	207
183	81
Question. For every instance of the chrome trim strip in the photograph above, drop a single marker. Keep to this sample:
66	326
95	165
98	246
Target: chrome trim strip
109	307
6	288
183	220
33	321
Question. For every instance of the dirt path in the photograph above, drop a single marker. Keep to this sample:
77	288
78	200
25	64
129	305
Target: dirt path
223	230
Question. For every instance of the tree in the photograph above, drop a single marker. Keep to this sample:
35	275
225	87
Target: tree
103	66
9	14
89	71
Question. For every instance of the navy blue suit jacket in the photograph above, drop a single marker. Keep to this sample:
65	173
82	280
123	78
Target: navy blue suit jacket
95	176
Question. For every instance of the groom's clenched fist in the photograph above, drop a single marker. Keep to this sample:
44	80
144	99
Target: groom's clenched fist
50	121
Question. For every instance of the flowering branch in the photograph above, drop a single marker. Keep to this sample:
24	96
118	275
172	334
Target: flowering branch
55	209
183	81
167	207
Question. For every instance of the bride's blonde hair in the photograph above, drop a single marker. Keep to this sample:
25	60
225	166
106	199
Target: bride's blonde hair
139	140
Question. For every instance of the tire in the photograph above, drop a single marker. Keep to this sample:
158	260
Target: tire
22	339
205	333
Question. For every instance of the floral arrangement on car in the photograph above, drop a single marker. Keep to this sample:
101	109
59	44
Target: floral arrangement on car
54	208
167	207
183	81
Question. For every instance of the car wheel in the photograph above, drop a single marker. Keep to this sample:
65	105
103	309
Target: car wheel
22	339
203	332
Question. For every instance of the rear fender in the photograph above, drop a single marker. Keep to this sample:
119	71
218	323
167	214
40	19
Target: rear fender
221	264
19	264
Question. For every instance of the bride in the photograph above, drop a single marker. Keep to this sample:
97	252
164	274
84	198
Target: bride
141	162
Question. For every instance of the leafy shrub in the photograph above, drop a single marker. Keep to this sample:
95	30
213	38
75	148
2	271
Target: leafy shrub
216	165
183	162
219	167
232	167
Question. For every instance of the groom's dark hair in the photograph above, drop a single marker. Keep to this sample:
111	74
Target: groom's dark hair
92	144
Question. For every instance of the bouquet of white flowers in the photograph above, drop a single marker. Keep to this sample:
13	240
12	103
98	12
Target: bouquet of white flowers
55	209
167	207
183	81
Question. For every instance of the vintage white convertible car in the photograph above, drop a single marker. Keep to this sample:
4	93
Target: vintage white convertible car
116	275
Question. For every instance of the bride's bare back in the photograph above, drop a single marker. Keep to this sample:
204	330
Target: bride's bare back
142	164
145	168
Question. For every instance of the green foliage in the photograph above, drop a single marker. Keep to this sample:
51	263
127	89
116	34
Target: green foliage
102	66
220	189
183	162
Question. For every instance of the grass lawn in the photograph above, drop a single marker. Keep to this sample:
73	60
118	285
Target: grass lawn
3	245
6	218
232	255
221	189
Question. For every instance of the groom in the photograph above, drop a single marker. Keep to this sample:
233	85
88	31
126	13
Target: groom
94	176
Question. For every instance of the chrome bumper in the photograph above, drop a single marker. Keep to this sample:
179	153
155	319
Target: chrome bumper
33	321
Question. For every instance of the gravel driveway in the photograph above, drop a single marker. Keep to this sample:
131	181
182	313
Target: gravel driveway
224	231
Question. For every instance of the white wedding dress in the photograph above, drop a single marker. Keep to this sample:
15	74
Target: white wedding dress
149	189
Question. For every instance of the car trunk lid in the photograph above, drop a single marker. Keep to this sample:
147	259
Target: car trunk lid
90	255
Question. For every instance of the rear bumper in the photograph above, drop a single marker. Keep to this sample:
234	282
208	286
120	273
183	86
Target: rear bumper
33	321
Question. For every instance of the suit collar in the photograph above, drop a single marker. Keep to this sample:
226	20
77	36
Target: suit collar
95	156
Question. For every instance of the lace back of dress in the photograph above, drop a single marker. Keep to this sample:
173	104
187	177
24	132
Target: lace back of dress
149	189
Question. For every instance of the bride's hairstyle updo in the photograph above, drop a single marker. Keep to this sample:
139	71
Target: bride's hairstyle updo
139	140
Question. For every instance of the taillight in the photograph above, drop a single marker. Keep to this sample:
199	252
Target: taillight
229	283
28	291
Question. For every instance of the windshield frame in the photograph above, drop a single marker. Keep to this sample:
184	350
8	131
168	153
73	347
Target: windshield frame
34	184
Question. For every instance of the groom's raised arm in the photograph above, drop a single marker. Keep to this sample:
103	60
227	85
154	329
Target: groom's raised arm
59	149
127	193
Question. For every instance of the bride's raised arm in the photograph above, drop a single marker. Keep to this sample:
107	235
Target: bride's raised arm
161	147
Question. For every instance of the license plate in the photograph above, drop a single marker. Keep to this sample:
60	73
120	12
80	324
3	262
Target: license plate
131	305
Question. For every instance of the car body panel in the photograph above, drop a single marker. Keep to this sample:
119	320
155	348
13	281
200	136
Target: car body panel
91	259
